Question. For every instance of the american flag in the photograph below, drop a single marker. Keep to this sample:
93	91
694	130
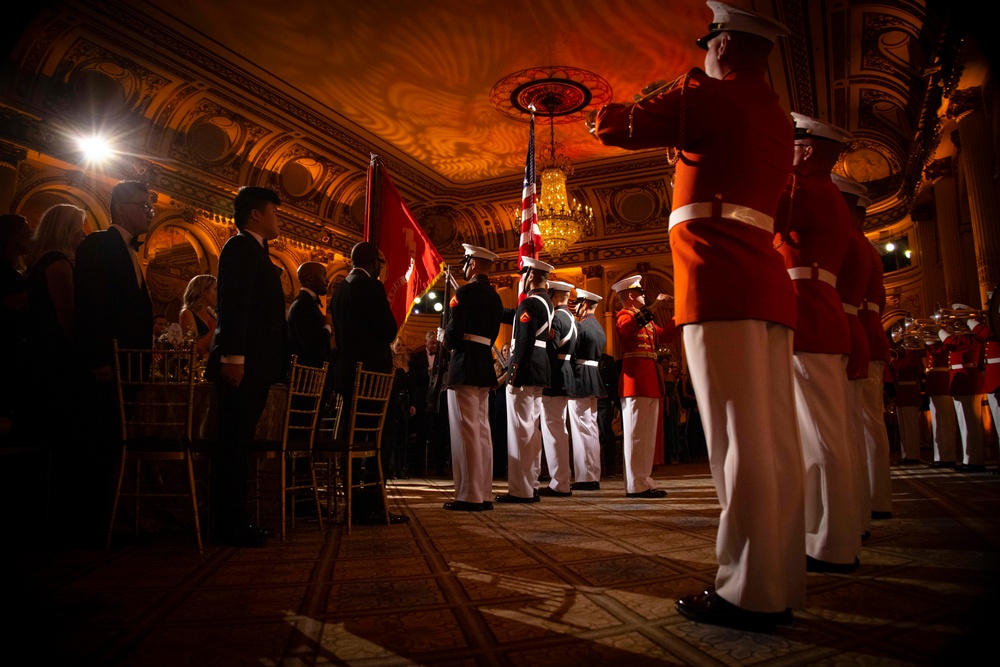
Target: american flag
531	238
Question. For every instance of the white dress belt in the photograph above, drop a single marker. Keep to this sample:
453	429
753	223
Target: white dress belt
958	367
482	340
849	309
593	362
743	214
871	306
806	273
540	343
563	357
995	360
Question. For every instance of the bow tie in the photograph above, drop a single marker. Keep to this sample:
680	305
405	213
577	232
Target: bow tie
134	243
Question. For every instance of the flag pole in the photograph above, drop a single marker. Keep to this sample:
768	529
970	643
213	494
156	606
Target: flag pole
373	202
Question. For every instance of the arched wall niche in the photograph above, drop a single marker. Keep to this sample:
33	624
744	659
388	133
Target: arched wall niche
42	193
173	253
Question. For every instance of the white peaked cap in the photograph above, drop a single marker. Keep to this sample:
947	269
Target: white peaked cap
806	126
587	296
728	18
537	264
852	187
476	251
560	286
632	282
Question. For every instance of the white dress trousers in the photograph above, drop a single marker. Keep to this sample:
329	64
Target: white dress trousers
639	417
856	435
742	376
944	423
524	440
876	439
471	443
908	417
969	412
555	439
586	439
833	518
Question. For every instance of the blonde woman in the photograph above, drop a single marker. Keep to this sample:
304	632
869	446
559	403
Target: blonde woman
198	314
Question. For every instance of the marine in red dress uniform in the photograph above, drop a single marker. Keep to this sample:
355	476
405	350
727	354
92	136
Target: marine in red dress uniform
966	383
990	364
907	373
944	423
639	384
813	231
736	304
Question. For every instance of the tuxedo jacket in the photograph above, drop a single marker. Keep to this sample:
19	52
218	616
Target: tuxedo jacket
251	311
364	328
308	337
110	304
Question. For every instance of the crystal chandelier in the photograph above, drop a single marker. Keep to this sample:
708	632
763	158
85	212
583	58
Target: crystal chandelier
563	95
560	221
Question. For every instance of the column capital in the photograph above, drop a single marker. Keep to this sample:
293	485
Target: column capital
595	271
499	282
939	168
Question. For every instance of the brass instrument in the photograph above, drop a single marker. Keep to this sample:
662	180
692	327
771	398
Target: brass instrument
956	319
917	333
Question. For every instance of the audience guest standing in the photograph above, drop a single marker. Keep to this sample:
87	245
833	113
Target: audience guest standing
14	239
736	304
309	329
112	303
198	315
364	328
400	411
248	354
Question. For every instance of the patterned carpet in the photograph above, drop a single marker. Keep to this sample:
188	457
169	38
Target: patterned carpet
586	580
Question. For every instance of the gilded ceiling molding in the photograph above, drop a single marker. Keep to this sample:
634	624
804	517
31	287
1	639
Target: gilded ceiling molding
501	282
799	58
595	271
11	155
963	102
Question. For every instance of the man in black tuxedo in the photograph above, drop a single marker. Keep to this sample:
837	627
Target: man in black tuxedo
431	421
112	303
364	328
248	354
308	329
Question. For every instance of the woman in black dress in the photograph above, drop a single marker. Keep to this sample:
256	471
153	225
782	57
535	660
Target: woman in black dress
198	317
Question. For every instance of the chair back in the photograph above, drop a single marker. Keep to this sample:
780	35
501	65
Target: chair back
369	405
155	393
305	395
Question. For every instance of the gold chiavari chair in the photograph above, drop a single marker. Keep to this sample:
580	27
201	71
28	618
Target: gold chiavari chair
295	451
363	441
156	406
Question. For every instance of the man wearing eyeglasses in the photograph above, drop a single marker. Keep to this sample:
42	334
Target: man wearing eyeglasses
112	303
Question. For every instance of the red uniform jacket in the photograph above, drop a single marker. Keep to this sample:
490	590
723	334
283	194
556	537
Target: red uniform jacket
907	372
937	369
963	360
813	228
991	355
736	143
639	337
872	308
852	283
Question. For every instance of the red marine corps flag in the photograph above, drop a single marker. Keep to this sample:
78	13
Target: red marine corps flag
531	238
413	264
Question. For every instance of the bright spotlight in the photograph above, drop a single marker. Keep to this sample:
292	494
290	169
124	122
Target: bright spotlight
438	307
432	295
95	149
416	299
907	254
890	246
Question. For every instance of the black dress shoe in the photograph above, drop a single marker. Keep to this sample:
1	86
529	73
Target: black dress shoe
881	516
507	498
549	491
815	565
488	505
941	464
585	486
648	493
709	608
970	468
462	506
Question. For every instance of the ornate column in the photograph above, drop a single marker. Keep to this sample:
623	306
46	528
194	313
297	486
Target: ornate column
11	157
976	162
946	208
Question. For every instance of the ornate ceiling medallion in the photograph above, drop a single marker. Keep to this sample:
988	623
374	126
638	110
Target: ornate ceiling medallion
562	94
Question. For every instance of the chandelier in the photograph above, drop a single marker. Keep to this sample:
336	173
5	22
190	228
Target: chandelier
560	221
563	95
